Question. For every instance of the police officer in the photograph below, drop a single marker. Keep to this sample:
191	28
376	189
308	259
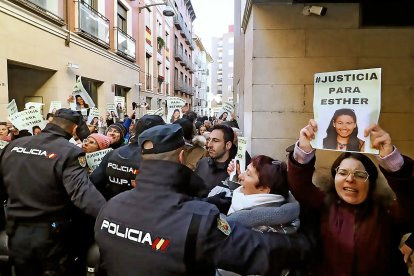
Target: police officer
43	178
158	228
118	169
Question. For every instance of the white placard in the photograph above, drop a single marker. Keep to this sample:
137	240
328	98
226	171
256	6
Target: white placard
79	93
3	144
33	105
227	107
12	108
241	152
93	118
174	105
27	119
55	105
111	108
93	159
345	103
159	111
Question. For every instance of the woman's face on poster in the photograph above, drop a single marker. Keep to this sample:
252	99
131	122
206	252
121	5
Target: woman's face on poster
79	100
344	125
176	114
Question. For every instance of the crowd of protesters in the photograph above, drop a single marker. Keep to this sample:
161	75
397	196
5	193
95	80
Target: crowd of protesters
243	222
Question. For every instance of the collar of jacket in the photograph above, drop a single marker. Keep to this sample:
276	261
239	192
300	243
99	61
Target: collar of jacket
171	174
218	165
57	130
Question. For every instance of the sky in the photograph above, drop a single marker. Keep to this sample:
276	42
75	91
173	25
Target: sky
212	19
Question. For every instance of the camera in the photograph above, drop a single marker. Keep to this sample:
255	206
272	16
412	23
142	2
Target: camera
316	10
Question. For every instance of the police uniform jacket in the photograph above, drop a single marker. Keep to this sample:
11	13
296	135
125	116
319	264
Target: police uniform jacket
212	172
158	228
42	176
117	171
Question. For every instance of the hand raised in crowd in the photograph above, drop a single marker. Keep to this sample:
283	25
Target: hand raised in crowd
70	99
230	168
380	139
407	252
307	134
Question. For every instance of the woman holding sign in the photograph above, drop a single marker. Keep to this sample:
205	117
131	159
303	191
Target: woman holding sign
342	132
358	233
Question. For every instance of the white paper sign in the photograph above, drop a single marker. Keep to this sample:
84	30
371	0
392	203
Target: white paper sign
174	105
94	159
228	107
345	103
12	108
159	111
27	119
111	108
93	118
241	152
3	144
55	105
81	97
31	105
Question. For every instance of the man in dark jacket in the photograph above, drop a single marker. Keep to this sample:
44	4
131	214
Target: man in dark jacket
118	169
42	177
221	150
158	228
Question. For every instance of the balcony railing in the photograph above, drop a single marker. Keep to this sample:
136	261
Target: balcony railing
125	45
178	53
178	22
148	82
50	10
91	24
178	85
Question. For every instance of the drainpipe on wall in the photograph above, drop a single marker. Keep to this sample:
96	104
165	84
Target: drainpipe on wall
67	40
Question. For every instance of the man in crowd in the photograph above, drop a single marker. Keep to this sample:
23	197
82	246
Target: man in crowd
42	176
213	169
158	228
118	169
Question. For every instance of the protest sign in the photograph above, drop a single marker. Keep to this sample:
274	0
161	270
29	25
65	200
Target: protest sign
11	108
345	103
27	119
174	105
93	159
228	108
93	118
32	105
81	98
55	105
120	106
159	111
111	108
241	152
3	144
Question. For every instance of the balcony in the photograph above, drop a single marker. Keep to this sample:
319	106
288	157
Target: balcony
178	85
178	53
50	10
148	82
178	22
161	78
219	92
91	24
125	45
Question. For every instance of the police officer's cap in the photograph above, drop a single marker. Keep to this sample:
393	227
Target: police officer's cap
69	115
148	121
163	137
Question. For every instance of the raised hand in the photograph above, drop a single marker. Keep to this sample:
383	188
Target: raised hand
306	135
380	139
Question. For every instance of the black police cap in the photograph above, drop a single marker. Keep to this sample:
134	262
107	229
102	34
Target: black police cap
147	121
164	138
70	115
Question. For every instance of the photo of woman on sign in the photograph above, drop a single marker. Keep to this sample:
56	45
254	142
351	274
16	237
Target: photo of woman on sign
342	132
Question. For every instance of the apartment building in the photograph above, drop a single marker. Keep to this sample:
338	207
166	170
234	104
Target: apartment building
46	45
222	68
278	49
183	48
201	60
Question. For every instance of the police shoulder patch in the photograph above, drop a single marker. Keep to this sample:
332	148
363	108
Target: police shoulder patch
223	226
82	161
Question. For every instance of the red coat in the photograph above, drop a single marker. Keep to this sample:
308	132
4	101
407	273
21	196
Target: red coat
352	243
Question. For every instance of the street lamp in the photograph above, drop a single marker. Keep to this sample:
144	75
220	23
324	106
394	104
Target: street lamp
168	11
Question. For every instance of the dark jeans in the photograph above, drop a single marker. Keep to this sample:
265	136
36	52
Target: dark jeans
42	249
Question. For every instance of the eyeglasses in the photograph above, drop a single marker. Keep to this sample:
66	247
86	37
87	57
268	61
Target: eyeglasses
114	130
89	141
358	175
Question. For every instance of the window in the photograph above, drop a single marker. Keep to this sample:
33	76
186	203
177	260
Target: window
92	3
122	18
91	86
148	101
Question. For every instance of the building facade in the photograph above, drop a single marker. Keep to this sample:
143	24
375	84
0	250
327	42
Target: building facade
279	49
47	44
222	68
201	61
183	69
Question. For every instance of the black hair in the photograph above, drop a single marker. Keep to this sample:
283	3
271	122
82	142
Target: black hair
330	141
227	132
187	127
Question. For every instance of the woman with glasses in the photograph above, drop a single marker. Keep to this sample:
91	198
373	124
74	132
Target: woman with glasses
357	233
